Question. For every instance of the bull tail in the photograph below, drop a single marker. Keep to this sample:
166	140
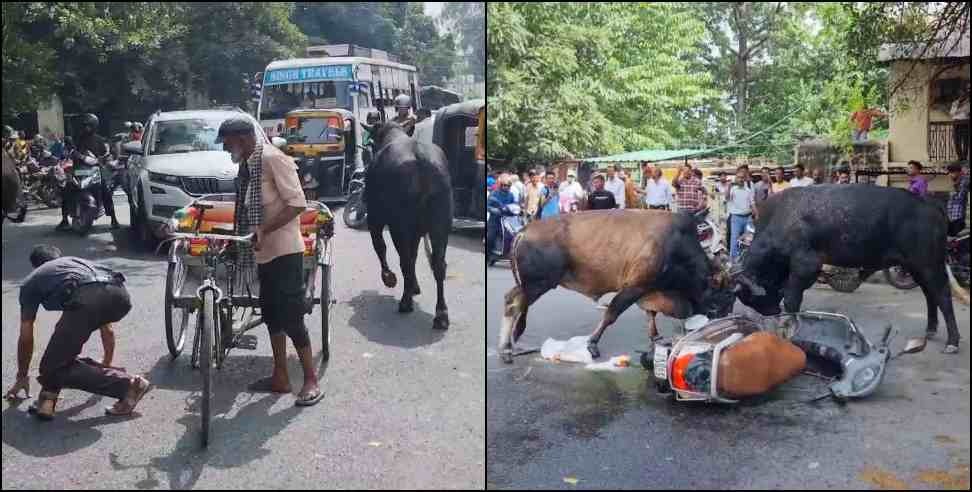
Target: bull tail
961	294
513	266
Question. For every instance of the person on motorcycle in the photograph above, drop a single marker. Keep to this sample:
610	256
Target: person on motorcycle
403	105
136	132
37	146
498	199
367	141
88	141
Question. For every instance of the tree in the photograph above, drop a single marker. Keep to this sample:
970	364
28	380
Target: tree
579	79
468	19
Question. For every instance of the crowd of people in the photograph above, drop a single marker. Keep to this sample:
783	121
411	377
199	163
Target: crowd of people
541	196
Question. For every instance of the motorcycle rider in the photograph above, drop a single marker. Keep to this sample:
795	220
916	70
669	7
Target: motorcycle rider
403	105
367	140
136	132
88	141
499	198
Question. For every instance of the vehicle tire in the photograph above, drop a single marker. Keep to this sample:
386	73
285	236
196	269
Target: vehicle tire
355	215
326	293
143	234
845	282
899	278
206	326
175	326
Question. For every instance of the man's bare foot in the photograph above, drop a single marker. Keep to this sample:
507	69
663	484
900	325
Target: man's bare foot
270	385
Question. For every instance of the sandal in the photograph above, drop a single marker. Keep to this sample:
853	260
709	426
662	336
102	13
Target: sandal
311	400
40	407
123	407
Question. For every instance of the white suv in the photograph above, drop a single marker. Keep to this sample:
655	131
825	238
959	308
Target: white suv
178	160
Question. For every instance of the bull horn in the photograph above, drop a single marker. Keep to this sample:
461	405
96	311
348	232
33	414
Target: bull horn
748	282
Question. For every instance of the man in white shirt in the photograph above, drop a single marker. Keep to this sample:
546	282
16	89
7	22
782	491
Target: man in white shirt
516	188
739	203
615	185
571	193
658	191
960	115
799	178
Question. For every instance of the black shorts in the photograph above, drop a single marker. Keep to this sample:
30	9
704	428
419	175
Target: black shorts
282	292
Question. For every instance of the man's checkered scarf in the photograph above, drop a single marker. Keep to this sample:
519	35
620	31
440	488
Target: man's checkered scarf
249	205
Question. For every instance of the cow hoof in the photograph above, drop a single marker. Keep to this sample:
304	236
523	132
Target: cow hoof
441	322
507	356
405	306
950	349
595	353
389	279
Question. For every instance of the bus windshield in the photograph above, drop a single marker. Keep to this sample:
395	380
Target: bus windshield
278	100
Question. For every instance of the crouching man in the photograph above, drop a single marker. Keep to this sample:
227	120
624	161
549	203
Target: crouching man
92	297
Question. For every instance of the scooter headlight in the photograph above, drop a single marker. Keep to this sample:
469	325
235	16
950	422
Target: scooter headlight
864	377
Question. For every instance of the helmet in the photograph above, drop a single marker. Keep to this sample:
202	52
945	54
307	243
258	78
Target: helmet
138	126
403	101
373	117
89	120
128	125
8	132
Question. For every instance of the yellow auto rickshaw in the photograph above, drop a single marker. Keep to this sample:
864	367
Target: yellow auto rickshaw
322	142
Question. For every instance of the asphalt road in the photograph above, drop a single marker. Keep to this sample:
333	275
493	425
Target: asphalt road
404	405
562	426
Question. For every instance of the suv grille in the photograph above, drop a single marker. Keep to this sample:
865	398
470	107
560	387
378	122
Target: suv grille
204	186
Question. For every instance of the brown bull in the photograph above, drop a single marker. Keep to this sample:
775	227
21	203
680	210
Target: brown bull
648	257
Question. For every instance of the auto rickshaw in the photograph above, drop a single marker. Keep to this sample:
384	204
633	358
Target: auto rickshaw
322	142
460	132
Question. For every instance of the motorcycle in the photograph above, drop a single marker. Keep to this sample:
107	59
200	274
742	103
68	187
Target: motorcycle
39	181
356	210
511	223
710	237
956	258
841	279
85	182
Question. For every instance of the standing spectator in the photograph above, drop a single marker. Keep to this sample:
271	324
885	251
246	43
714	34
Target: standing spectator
57	148
490	182
550	204
722	185
739	204
632	195
517	188
957	199
705	194
600	199
763	187
862	119
799	179
615	185
960	116
532	195
779	181
647	172
689	192
843	175
658	191
917	183
570	194
818	176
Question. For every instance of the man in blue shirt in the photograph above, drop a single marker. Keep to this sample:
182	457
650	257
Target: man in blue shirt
499	198
550	203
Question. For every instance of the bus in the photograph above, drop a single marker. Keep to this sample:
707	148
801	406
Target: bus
345	77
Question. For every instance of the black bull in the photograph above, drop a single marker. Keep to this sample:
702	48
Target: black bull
408	189
859	226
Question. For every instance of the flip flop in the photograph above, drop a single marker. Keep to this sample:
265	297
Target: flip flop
264	385
115	413
306	402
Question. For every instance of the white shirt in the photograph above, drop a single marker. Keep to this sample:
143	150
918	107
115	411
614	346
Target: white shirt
572	188
616	187
658	192
740	199
796	183
960	110
517	190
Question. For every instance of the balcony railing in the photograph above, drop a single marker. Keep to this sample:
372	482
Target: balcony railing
941	143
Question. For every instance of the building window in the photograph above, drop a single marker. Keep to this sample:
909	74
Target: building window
944	91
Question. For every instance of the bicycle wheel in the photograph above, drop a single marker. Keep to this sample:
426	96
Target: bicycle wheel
176	318
326	293
208	325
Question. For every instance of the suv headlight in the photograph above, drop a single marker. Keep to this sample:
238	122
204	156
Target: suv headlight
165	179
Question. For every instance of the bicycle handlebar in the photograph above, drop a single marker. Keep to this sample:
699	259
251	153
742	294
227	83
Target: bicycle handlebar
247	239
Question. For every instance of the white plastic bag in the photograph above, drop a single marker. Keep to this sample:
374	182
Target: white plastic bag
573	350
696	322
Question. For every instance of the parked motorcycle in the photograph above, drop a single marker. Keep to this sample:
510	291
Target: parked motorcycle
511	223
957	259
841	279
356	210
39	181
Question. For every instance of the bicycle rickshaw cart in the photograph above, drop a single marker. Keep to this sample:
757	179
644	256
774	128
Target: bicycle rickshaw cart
224	305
